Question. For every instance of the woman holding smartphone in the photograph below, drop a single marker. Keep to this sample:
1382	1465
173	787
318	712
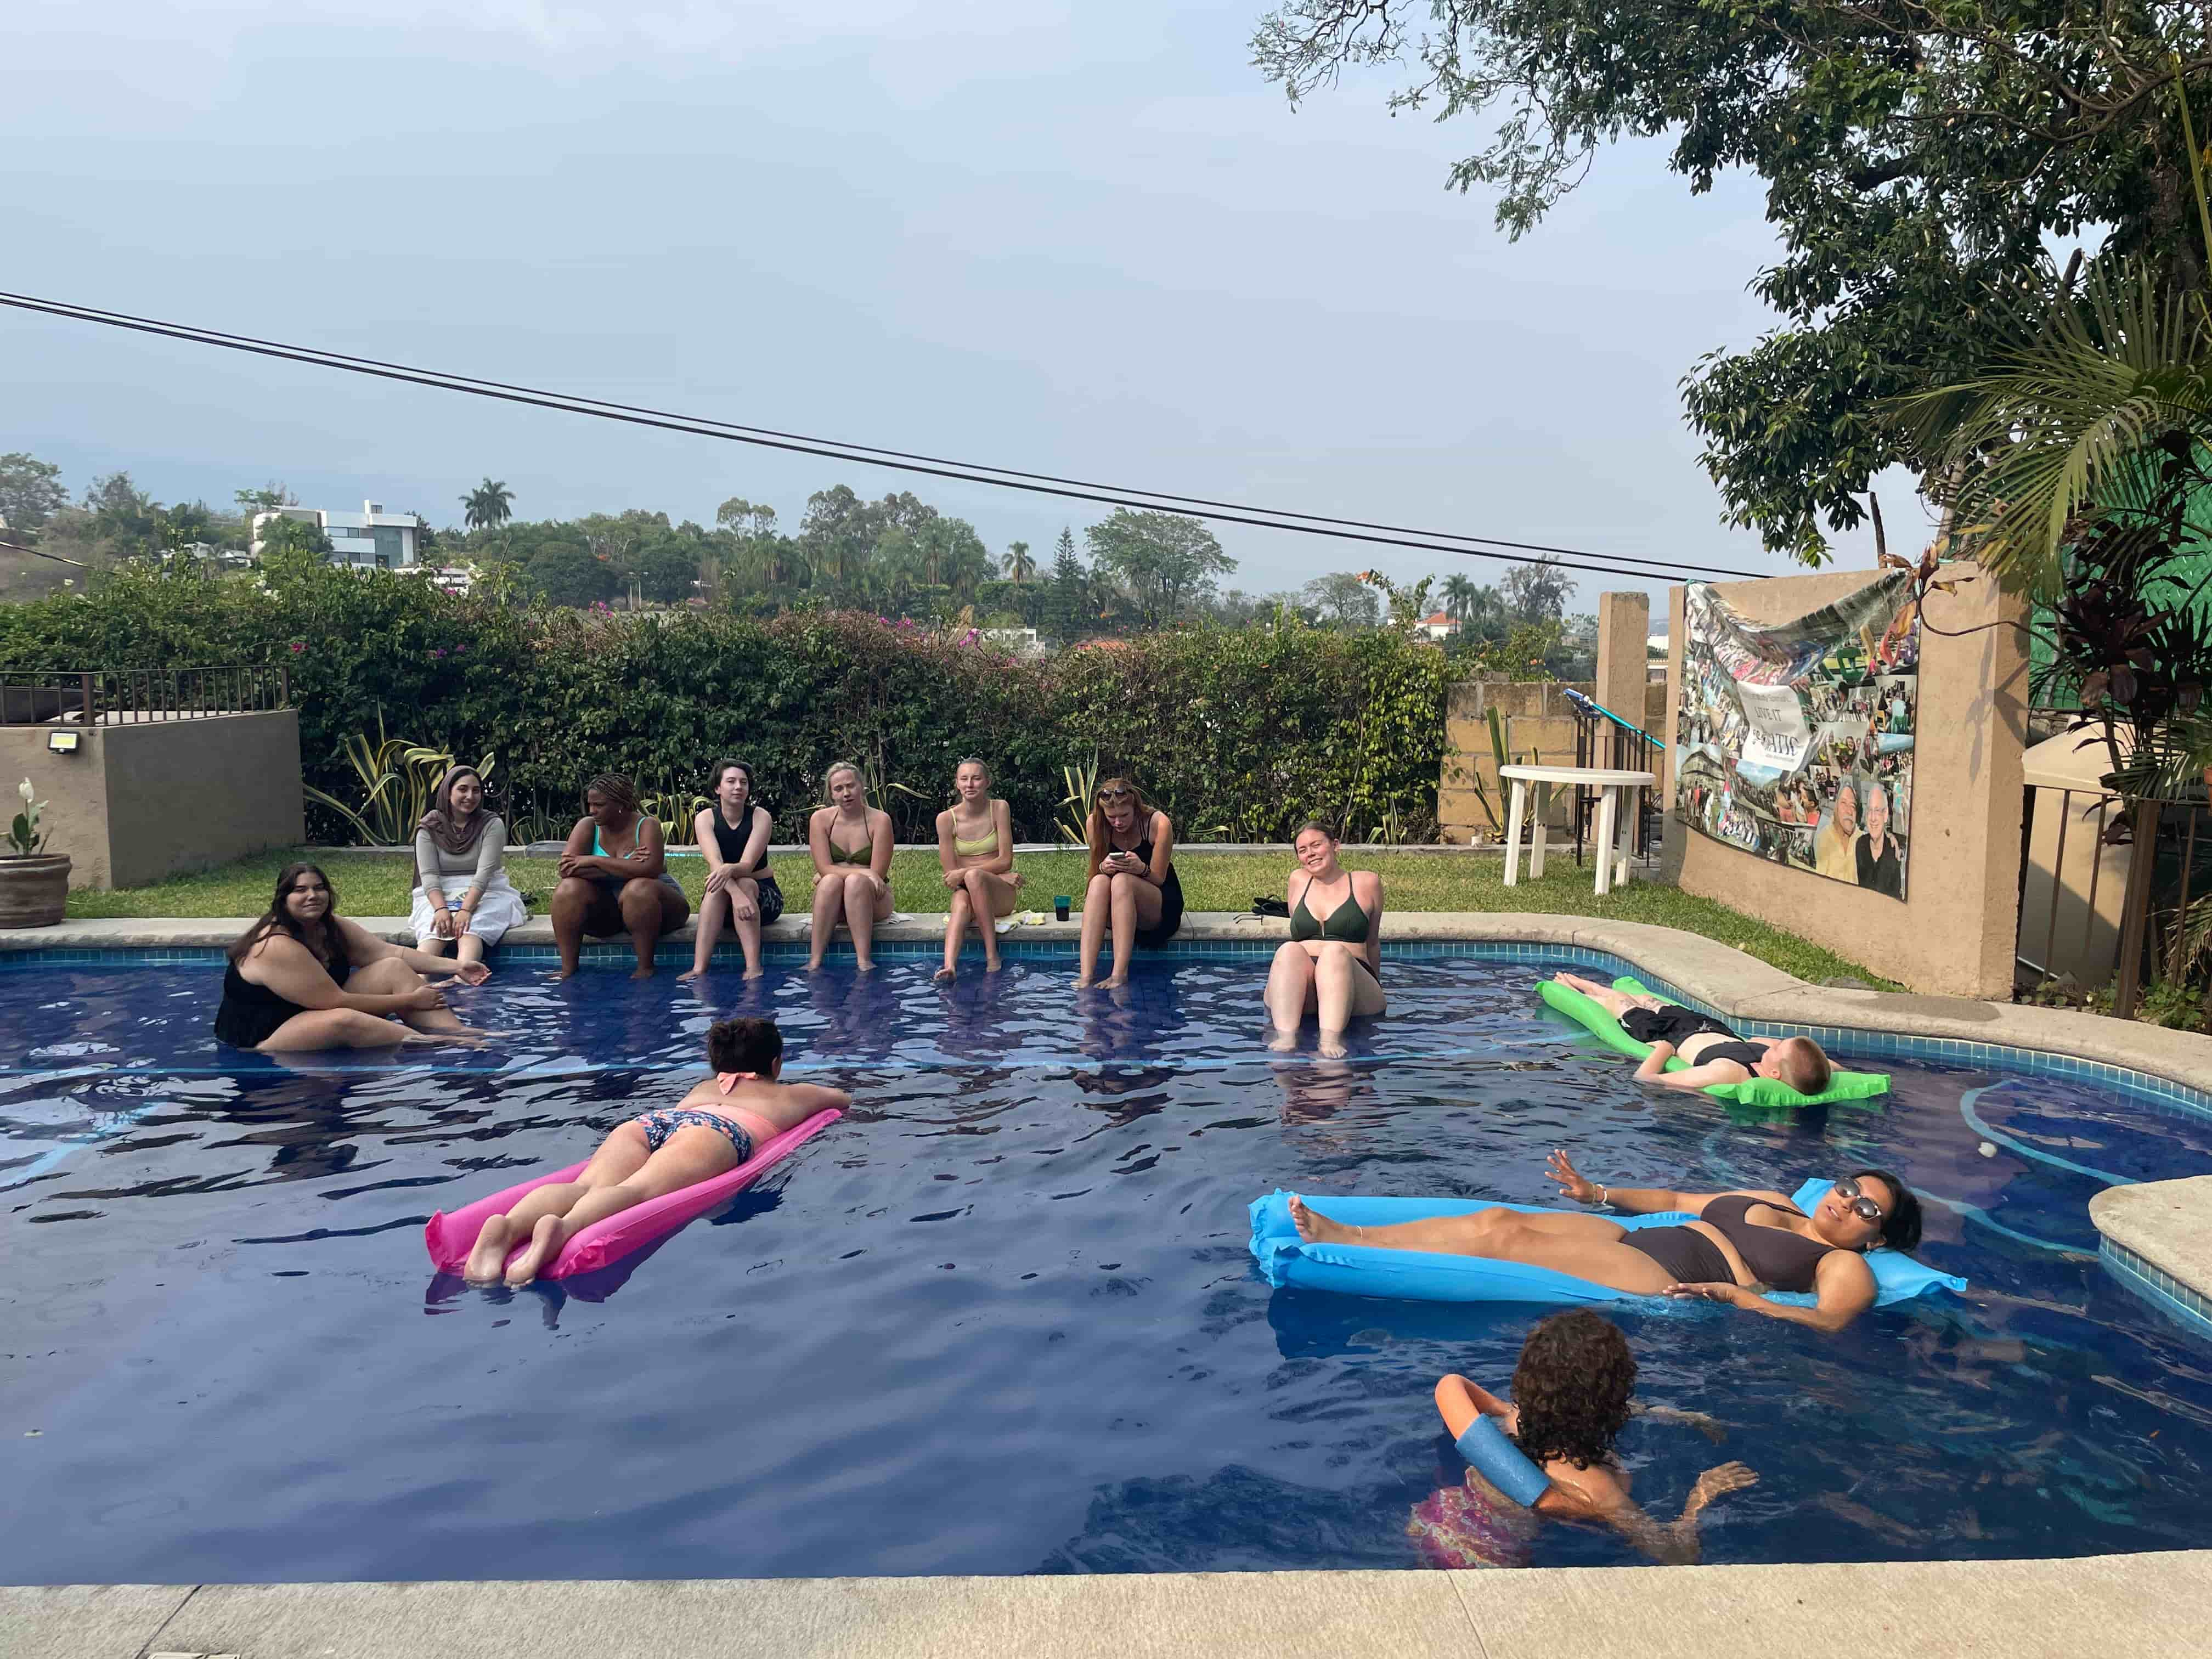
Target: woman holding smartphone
1132	888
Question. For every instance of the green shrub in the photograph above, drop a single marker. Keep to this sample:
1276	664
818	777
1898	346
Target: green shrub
1239	733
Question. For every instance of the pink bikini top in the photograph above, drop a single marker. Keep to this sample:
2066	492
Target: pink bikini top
726	1081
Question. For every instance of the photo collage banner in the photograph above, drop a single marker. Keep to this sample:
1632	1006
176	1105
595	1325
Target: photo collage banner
1793	740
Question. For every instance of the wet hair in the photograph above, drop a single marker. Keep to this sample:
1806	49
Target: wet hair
1097	831
714	777
1805	1066
327	944
616	788
1317	826
743	1045
1574	1385
1900	1228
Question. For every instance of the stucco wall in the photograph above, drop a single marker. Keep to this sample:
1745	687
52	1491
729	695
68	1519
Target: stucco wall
1954	931
139	802
1540	726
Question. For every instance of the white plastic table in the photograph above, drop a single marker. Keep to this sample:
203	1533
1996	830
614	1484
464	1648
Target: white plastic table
1614	788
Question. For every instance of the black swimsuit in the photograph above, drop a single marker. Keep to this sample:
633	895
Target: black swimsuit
732	843
250	1013
1670	1022
1170	898
1775	1256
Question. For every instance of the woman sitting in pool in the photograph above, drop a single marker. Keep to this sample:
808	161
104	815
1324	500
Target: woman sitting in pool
614	878
976	845
717	1126
851	844
304	977
1738	1242
1134	889
1573	1393
1332	964
733	836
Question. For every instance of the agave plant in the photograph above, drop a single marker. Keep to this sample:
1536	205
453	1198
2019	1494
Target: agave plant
399	780
1082	789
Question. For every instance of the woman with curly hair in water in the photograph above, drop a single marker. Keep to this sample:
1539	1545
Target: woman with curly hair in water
1574	1391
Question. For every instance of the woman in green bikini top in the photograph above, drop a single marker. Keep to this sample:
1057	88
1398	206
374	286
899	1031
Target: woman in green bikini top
975	849
1332	966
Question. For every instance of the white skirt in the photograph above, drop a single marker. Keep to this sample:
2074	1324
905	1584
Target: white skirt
502	908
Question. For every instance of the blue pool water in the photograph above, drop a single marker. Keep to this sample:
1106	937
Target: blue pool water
1002	1318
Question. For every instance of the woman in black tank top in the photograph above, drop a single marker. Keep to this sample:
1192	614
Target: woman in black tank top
1727	1247
733	836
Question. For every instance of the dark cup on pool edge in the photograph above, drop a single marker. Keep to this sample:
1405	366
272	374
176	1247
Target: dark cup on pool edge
1059	903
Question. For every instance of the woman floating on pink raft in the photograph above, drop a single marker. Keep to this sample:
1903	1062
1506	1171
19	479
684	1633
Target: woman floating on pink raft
649	1176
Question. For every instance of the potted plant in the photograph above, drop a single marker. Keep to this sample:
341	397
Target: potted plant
33	882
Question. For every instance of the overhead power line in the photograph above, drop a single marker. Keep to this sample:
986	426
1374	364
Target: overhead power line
1309	524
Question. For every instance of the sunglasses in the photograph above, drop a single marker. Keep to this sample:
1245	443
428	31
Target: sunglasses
1861	1206
1116	795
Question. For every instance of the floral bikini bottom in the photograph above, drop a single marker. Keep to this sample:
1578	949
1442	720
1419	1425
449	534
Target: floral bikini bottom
667	1120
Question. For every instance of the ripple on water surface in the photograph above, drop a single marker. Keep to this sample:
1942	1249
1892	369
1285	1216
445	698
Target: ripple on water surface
1000	1318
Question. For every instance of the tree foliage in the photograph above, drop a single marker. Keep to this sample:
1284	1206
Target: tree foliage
1918	158
1167	560
31	493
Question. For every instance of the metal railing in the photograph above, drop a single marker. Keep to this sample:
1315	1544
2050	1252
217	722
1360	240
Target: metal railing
1604	738
2104	882
123	696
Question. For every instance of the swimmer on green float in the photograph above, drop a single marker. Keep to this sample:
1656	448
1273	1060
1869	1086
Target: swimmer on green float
1710	1053
1682	1048
1550	1455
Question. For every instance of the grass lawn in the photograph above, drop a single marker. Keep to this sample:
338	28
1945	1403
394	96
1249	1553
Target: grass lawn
376	884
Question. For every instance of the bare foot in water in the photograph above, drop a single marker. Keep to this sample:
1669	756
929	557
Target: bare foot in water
546	1239
641	973
1282	1042
1313	1227
560	974
490	1255
942	973
1114	981
1085	984
865	968
1332	1045
756	973
690	973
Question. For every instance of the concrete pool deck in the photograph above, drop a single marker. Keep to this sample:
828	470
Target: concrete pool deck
2116	1606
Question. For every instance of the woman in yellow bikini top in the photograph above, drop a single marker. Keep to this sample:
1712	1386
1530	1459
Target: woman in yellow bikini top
976	846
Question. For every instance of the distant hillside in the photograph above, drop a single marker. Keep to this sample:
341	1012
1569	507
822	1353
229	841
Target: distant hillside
27	576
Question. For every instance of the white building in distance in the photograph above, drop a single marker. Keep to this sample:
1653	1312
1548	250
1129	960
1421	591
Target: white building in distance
371	539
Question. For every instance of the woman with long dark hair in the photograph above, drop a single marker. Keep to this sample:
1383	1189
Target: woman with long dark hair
1133	890
304	977
732	834
614	878
460	847
1735	1245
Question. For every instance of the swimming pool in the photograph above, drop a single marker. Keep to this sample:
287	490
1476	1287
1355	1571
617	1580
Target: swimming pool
1002	1318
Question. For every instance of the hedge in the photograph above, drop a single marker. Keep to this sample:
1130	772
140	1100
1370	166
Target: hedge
1239	733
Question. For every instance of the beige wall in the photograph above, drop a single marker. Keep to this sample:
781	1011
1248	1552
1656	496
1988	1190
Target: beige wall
141	801
1954	933
1540	725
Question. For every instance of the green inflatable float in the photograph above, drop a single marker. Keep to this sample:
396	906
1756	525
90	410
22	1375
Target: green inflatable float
1759	1091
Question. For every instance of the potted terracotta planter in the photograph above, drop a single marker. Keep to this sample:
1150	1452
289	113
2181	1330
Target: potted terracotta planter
33	882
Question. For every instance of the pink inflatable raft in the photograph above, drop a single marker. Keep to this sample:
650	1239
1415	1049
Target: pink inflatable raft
449	1238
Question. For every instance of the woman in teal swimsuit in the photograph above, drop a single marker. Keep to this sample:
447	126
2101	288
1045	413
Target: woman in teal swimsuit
614	878
1331	965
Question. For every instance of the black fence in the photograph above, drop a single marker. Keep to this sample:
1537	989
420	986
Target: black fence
123	697
1604	739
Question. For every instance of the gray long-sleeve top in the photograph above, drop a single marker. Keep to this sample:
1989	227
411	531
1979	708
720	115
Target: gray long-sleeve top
442	870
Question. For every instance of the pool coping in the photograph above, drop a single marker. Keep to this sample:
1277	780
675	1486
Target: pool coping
2114	1606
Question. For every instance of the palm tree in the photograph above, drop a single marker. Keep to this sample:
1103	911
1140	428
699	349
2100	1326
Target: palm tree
1458	592
485	507
1019	565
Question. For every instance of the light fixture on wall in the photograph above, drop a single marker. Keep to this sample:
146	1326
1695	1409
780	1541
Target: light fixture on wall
64	743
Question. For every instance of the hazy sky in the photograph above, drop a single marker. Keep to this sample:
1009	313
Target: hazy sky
1076	239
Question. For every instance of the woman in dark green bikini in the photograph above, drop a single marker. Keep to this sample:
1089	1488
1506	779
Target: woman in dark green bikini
1331	965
